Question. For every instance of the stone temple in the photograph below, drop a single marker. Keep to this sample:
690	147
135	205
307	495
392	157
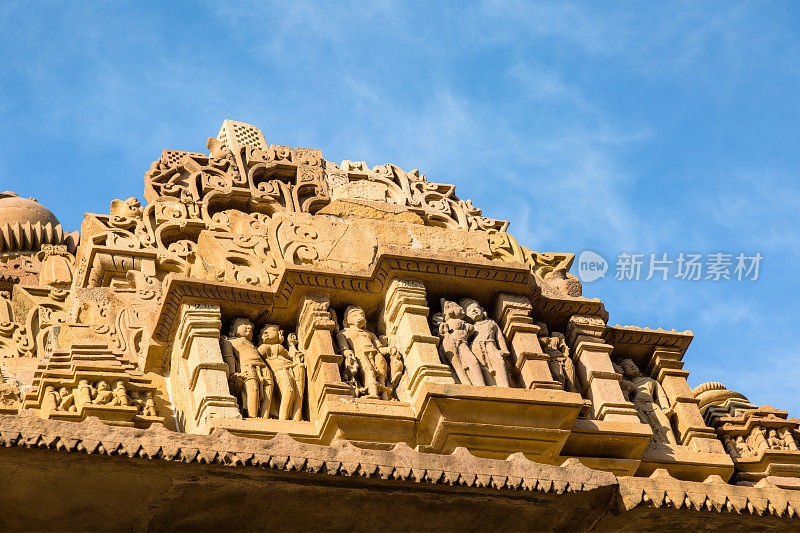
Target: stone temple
273	340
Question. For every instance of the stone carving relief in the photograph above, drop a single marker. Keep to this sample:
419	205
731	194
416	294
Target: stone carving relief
561	366
761	439
436	203
10	397
15	340
738	448
90	394
288	370
24	268
56	266
649	399
552	268
472	344
268	379
371	367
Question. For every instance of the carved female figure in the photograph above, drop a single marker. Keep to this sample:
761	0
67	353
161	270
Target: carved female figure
287	367
650	400
455	333
249	373
488	343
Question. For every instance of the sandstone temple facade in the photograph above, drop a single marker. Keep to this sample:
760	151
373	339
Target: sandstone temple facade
273	340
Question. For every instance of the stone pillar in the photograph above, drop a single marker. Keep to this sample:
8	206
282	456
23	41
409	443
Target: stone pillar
599	382
530	363
315	327
198	374
406	318
666	367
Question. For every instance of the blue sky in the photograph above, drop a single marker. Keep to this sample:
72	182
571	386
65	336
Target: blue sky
615	127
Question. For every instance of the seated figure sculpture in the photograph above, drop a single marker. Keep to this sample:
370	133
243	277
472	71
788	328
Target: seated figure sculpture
249	375
66	400
488	344
372	372
103	394
650	401
288	370
120	395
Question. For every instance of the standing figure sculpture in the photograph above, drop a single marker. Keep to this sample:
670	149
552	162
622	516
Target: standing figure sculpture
488	343
249	374
356	342
561	366
287	367
455	332
650	401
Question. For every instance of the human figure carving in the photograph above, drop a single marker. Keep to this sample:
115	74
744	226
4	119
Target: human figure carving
104	394
561	366
758	439
120	395
789	441
455	332
355	341
287	368
149	405
650	400
775	442
66	400
50	400
85	393
249	374
742	448
488	343
350	371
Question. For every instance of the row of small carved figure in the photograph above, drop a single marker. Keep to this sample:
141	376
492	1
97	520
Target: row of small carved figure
759	440
270	378
475	348
99	393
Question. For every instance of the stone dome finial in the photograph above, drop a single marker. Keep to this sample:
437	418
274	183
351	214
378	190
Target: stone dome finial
25	224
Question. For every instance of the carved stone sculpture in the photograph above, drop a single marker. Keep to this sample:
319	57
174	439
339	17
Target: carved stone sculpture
120	395
148	407
774	442
250	377
104	394
455	332
650	400
366	355
488	343
288	370
561	366
66	400
788	440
